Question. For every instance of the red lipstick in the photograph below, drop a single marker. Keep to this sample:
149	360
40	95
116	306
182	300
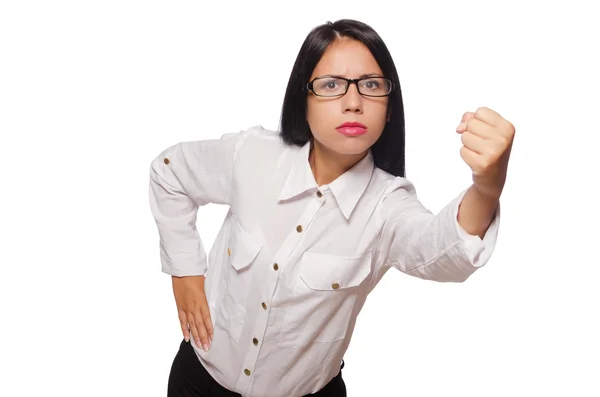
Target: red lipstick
352	128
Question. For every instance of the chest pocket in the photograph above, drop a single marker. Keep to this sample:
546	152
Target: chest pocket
322	272
242	249
242	252
323	303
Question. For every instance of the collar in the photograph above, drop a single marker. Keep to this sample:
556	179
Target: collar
347	189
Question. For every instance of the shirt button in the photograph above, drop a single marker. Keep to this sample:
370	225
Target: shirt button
335	286
228	252
275	266
319	194
255	341
247	372
166	160
264	305
299	228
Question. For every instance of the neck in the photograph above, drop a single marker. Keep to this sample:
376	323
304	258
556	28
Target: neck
327	165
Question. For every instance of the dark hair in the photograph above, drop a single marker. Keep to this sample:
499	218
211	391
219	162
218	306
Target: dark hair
388	151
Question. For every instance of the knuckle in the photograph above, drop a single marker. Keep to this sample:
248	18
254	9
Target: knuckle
500	146
485	163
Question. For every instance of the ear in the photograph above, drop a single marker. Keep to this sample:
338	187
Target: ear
389	115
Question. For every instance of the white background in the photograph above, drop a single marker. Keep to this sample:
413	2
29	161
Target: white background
92	91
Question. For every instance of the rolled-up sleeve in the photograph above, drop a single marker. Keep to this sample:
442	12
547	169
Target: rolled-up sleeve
182	178
428	246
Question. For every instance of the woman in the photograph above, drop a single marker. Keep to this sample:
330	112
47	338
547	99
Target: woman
318	213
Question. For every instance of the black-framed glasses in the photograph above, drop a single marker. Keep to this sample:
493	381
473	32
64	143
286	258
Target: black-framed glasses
332	86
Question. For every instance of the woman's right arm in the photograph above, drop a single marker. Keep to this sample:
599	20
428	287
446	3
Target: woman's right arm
182	178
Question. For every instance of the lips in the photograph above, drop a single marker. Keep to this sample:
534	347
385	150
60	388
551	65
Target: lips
352	128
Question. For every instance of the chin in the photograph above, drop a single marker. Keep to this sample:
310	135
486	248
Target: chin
354	145
350	145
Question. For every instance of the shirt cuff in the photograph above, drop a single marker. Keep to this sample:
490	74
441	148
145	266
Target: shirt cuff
184	266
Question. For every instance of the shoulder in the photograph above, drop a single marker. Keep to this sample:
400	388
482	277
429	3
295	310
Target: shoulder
398	198
392	186
259	148
258	133
259	139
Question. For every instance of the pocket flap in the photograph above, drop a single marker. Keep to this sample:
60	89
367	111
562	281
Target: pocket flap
243	248
331	272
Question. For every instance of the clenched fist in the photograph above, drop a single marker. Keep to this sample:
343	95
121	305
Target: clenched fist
487	140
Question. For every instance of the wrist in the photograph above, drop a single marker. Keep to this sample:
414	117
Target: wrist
488	192
486	189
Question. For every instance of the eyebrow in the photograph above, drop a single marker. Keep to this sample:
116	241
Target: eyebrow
370	75
362	76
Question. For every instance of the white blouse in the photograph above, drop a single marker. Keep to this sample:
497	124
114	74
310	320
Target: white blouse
294	262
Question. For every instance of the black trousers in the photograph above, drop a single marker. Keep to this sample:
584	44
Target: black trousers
188	378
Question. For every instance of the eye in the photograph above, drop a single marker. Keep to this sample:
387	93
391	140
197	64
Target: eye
372	84
329	84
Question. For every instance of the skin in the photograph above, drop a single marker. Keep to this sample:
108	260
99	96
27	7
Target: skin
487	140
334	153
486	137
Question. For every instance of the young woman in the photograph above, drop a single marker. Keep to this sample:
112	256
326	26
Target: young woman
319	211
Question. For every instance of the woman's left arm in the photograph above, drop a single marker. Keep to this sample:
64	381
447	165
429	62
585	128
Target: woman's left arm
452	244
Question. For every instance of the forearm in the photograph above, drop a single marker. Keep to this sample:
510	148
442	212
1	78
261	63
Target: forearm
476	211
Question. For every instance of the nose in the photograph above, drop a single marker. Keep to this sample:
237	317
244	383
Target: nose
352	101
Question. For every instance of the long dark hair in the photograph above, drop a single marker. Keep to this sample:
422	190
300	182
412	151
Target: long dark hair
388	151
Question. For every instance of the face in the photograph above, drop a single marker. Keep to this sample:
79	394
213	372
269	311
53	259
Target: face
350	59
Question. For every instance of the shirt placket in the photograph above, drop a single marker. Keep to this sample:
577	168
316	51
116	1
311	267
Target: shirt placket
280	261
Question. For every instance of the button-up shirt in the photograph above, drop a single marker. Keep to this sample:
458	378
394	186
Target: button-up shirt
293	262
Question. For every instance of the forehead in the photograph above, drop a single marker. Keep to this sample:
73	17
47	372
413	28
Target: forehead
347	57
